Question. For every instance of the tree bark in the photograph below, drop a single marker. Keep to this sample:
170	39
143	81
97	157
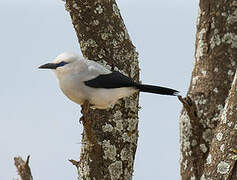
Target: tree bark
23	168
205	139
109	138
222	156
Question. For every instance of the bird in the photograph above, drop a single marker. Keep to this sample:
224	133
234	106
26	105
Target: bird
84	80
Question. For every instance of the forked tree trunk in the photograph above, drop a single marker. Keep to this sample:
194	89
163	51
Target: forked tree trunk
109	139
208	121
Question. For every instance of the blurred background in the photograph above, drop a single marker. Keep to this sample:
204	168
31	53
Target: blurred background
37	119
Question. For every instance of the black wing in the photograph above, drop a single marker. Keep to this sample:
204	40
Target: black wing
112	80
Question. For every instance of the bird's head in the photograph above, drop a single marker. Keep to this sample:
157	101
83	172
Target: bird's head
61	61
65	63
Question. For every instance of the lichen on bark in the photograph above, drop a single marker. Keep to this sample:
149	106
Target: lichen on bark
214	67
103	37
225	140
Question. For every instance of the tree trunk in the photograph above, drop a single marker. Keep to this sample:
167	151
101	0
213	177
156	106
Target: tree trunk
109	138
208	119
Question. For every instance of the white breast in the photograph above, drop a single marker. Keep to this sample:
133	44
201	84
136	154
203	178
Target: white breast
102	98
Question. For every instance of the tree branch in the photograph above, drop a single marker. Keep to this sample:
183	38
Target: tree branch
109	138
23	168
222	156
212	76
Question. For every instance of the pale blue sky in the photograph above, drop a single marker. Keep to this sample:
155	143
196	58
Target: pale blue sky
37	119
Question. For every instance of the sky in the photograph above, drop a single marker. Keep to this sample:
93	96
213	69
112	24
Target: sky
37	119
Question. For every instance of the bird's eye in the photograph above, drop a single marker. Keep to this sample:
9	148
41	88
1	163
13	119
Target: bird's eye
62	63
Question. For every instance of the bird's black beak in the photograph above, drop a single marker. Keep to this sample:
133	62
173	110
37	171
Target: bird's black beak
48	66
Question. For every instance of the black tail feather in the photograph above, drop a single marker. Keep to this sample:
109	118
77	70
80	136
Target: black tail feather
157	90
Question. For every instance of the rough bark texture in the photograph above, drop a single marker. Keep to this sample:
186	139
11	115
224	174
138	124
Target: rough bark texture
201	122
109	139
222	156
23	168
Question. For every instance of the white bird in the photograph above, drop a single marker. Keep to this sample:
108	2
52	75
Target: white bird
81	79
